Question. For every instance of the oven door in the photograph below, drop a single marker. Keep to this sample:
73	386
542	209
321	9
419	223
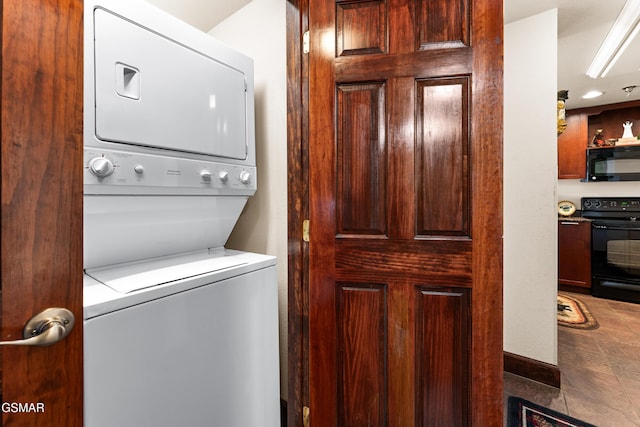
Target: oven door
615	259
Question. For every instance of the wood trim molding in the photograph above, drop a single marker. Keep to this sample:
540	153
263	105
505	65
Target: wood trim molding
591	111
297	141
532	369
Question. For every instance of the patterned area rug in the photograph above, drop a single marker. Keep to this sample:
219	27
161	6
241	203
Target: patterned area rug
523	413
573	313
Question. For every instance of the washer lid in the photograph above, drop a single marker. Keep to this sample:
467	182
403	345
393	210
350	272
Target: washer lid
131	277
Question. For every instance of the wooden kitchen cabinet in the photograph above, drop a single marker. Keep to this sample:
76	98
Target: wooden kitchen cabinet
572	146
582	123
574	255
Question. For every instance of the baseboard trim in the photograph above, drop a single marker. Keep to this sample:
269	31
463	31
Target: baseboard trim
532	369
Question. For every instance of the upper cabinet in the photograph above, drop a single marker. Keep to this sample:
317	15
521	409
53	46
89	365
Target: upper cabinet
583	124
572	146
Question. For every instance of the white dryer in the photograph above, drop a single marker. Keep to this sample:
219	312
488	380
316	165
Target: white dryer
178	330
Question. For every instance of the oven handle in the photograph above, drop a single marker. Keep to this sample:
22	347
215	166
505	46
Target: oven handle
617	285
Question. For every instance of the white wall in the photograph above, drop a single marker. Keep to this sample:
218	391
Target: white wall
530	177
259	30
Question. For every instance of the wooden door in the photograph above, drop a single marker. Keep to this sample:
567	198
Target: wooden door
405	209
41	206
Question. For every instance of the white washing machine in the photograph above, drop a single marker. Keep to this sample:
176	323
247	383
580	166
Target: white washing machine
178	330
197	351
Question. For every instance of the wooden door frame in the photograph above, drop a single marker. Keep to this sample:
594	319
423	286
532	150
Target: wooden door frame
298	211
41	127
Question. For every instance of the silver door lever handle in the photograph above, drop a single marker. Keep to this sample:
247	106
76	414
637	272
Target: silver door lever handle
46	328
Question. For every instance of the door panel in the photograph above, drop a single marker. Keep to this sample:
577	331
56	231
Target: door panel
351	17
442	145
41	204
362	341
361	155
442	356
442	22
405	213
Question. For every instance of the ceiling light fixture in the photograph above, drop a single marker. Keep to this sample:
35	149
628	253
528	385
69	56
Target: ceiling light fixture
592	94
620	35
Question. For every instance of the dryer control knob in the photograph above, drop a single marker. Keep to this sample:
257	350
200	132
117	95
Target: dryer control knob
101	167
224	176
245	177
205	175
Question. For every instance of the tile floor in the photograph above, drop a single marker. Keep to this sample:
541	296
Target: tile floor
600	369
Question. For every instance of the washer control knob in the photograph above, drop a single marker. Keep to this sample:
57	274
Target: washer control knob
205	175
224	176
245	177
139	169
101	167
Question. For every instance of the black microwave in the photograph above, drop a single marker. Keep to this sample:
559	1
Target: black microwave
620	163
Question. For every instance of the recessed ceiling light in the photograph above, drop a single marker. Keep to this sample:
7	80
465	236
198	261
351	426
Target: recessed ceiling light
592	94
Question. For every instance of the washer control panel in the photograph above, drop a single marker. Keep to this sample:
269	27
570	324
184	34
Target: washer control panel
120	172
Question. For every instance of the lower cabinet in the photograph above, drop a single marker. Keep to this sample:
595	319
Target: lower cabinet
574	255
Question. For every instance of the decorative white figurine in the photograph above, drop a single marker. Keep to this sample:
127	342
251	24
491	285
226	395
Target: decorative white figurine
627	130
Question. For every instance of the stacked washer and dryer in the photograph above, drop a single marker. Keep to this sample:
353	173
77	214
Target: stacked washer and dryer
178	329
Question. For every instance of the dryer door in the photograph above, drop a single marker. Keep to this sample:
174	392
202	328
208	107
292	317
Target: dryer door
152	91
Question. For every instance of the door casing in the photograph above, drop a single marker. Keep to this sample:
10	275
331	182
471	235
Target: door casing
42	107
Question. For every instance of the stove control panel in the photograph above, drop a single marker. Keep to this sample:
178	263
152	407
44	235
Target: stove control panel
611	204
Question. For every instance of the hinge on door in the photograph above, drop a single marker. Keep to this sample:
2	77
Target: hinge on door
305	230
305	42
305	416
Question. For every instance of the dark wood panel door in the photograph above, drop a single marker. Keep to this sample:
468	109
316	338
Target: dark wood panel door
405	209
41	207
